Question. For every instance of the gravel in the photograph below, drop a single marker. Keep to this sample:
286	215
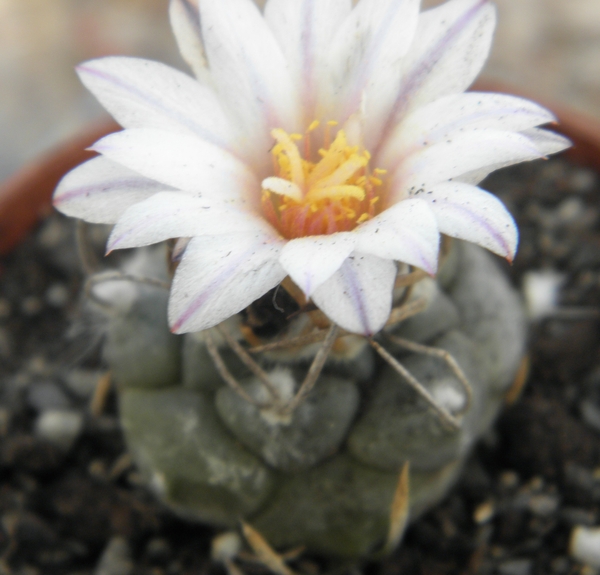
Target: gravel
71	502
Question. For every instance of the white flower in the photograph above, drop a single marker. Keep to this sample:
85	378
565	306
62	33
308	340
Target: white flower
318	141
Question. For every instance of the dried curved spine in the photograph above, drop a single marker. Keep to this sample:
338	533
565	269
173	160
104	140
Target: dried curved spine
447	419
314	370
247	360
444	355
226	374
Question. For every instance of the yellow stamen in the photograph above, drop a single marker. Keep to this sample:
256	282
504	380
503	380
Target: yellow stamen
344	172
283	188
335	193
292	154
332	158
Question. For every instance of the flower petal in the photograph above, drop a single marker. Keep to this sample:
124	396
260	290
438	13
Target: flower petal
470	213
250	73
366	60
99	191
184	162
451	44
465	152
443	118
173	215
358	297
406	232
185	21
220	276
304	29
548	142
144	94
312	260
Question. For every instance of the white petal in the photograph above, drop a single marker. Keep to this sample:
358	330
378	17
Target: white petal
451	44
304	29
173	215
358	297
476	176
472	214
465	152
441	119
406	232
184	162
249	72
312	260
144	94
220	276
185	21
548	142
366	59
99	191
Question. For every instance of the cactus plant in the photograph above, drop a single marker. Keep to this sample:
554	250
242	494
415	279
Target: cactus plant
305	179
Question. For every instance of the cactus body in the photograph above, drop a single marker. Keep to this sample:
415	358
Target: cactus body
325	475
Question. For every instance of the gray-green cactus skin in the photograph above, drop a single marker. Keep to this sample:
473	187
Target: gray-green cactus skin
325	476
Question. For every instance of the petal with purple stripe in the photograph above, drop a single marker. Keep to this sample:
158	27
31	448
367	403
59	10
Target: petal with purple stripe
366	60
304	29
470	213
452	42
250	74
183	162
173	215
313	260
406	232
463	153
358	297
99	191
144	94
221	275
447	116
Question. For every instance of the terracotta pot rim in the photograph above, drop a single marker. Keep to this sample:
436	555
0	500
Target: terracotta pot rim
25	198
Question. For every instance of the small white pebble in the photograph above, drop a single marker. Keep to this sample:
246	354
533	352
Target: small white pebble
584	545
541	289
225	546
60	427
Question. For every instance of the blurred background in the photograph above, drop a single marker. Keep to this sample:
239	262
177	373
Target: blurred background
546	47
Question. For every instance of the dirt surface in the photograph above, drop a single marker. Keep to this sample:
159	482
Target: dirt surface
71	503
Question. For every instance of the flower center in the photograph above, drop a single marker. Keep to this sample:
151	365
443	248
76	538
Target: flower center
333	194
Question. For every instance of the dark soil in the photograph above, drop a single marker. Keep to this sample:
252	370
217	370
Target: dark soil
529	482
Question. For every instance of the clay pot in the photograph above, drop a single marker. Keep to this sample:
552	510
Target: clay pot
25	198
